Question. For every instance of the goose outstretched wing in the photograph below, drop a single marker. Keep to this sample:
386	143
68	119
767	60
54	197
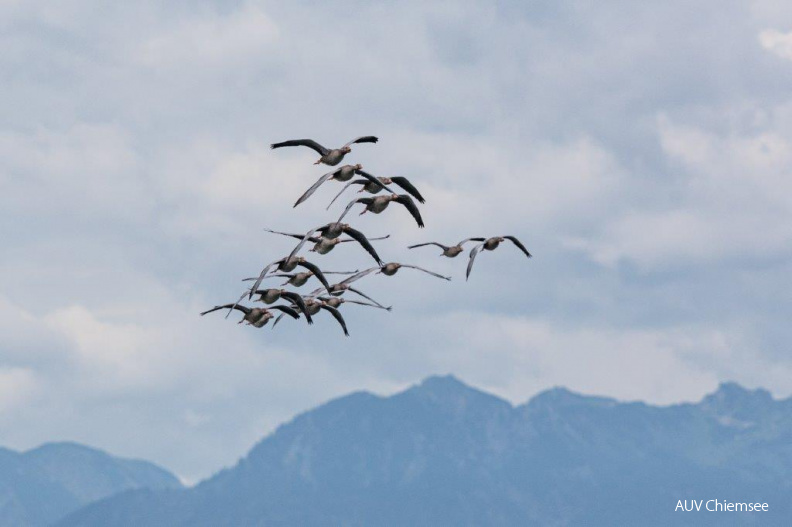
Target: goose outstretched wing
404	183
364	295
336	315
412	207
365	201
317	273
519	244
297	300
473	253
312	239
358	276
363	139
353	182
315	186
287	310
427	271
478	239
363	241
428	243
243	309
310	143
388	308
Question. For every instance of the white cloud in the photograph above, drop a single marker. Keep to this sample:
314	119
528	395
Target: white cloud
17	385
732	201
86	170
777	42
210	38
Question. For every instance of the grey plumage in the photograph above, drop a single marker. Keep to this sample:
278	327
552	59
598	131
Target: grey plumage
490	244
329	156
450	251
379	203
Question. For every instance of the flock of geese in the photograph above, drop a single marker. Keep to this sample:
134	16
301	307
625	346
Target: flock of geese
324	238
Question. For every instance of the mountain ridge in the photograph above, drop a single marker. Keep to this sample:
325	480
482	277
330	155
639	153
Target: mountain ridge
444	453
42	485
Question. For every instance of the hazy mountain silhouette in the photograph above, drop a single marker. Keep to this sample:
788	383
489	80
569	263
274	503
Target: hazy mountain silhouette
42	485
442	453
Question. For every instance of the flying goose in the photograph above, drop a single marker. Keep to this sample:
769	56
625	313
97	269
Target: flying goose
490	244
343	286
314	306
450	251
380	203
269	296
336	301
289	263
374	187
329	156
297	279
390	269
324	245
344	173
256	316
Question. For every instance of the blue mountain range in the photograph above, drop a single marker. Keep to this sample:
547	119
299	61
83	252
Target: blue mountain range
442	453
41	486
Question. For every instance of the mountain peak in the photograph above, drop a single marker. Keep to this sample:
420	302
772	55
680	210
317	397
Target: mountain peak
558	397
65	447
447	387
732	392
443	382
734	400
452	394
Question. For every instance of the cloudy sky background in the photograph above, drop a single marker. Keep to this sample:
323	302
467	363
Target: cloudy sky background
642	151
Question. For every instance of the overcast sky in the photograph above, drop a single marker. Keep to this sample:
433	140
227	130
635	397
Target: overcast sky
641	150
